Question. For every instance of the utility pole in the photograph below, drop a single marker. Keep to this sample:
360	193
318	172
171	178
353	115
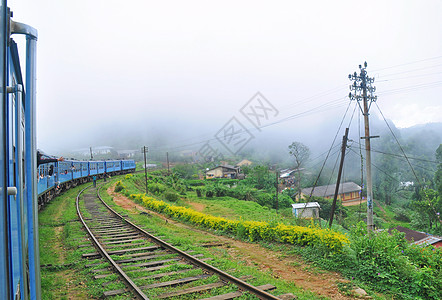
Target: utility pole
90	149
167	159
363	91
145	150
338	182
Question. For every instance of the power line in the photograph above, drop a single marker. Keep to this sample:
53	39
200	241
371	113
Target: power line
403	158
323	107
409	63
411	88
397	141
413	70
400	156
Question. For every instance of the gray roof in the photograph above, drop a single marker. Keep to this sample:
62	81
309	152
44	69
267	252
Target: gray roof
306	205
329	190
226	166
417	237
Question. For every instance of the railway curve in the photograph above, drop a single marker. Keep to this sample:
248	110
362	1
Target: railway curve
116	239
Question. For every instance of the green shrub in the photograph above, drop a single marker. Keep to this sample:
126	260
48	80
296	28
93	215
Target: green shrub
156	188
389	263
119	186
401	214
171	196
199	191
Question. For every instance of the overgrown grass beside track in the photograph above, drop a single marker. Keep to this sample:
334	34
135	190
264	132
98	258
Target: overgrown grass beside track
65	274
379	261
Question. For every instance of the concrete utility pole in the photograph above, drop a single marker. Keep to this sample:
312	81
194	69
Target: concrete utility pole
338	182
145	150
363	91
90	148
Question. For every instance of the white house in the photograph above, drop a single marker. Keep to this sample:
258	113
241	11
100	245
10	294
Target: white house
306	210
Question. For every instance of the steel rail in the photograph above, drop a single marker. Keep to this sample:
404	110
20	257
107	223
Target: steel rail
137	291
242	285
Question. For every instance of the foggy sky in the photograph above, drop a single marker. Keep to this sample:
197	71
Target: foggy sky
175	72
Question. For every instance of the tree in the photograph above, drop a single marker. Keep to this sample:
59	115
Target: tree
438	175
386	180
301	153
428	207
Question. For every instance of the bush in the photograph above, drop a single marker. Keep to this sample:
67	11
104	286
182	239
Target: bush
401	214
199	191
325	240
195	182
156	188
119	186
388	262
171	196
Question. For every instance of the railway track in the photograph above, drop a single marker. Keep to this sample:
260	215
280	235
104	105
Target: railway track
150	267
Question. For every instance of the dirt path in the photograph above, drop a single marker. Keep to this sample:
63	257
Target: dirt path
290	268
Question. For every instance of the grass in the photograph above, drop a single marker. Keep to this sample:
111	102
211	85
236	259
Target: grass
185	239
69	278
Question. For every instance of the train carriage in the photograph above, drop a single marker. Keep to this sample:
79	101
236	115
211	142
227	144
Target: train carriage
84	165
100	168
93	168
46	177
24	186
76	169
109	166
128	165
20	262
64	171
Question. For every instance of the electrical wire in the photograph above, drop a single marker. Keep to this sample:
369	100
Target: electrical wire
400	156
409	63
403	152
336	103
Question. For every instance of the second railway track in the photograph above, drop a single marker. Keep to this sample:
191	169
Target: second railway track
150	267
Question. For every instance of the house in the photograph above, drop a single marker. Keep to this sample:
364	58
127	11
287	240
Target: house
348	193
126	153
287	177
306	210
223	172
419	238
244	162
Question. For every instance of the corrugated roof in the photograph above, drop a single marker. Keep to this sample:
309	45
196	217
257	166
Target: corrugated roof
306	205
410	235
329	190
429	240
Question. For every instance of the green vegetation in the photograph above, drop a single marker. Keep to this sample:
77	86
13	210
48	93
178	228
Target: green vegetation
376	261
65	275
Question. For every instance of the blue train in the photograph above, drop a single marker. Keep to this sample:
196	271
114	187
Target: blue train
55	177
24	187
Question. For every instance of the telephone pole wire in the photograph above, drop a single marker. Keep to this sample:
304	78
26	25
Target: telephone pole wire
363	91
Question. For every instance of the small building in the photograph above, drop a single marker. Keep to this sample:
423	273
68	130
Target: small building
418	237
244	162
223	172
306	210
287	177
348	193
126	153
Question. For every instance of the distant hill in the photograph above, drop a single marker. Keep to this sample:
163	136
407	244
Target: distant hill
429	134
